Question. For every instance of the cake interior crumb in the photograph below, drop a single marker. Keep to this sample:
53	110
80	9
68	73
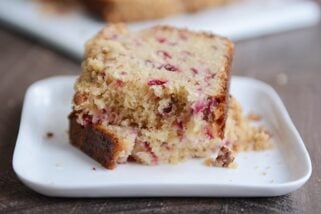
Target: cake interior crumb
254	117
225	159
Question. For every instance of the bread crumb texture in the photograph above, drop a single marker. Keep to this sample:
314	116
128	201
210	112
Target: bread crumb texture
162	94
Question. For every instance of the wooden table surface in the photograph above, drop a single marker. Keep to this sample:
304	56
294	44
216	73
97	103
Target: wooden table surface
295	56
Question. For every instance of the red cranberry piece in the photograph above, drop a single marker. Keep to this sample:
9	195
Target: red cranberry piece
148	149
160	66
120	83
131	159
87	119
195	71
167	109
164	54
209	132
167	146
180	124
170	67
212	103
149	63
209	75
156	82
199	87
198	106
161	40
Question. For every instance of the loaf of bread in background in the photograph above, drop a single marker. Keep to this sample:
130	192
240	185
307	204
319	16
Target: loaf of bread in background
195	5
136	10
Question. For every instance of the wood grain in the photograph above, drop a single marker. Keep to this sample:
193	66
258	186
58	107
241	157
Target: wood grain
296	55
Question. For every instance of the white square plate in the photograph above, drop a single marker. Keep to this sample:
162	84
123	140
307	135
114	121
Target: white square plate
53	167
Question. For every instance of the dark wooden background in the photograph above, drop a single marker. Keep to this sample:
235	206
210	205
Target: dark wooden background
295	56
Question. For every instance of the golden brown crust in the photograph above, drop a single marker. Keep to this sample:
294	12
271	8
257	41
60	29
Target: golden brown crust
223	100
228	66
95	141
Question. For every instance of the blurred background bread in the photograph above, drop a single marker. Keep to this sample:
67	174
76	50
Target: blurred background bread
136	10
195	5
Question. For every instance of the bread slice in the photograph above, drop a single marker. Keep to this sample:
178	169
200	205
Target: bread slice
168	86
135	10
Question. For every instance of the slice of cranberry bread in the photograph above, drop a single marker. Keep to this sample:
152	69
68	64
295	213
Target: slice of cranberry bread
158	95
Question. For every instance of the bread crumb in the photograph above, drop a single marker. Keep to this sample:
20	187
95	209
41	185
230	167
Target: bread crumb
319	180
242	210
281	79
94	168
263	173
254	117
225	158
49	135
233	165
208	162
242	134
